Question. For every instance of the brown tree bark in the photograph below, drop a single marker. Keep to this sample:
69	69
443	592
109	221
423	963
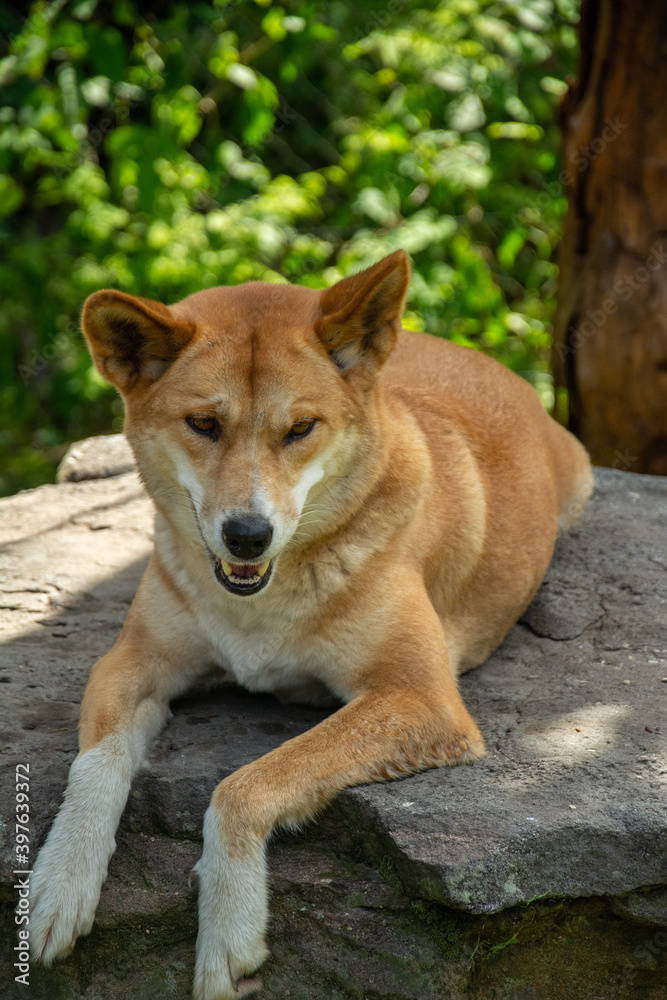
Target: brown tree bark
610	328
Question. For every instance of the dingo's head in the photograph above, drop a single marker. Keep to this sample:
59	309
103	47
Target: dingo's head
247	405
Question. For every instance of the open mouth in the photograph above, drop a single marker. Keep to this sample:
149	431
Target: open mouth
243	578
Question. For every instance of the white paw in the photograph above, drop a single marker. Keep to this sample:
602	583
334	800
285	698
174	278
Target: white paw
233	913
67	879
219	975
64	893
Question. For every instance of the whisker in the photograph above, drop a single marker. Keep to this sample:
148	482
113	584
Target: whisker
307	508
169	492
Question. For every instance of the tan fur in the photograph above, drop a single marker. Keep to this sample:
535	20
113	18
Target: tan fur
412	526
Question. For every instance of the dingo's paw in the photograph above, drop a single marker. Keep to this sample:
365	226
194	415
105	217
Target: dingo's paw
64	893
233	912
219	975
66	882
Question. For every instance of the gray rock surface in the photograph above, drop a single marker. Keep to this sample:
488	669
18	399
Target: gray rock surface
569	803
96	458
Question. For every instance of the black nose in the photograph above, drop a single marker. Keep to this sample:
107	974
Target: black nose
247	537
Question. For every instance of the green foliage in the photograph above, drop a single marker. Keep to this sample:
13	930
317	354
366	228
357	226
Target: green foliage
211	143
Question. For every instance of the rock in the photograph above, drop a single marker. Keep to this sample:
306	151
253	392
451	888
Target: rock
648	907
562	611
96	458
472	882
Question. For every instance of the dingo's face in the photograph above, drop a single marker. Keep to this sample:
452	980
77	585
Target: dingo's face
247	406
247	423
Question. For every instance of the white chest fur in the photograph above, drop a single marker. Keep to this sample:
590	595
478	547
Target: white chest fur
270	641
265	643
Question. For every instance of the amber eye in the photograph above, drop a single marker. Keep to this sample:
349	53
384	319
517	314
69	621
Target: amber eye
207	426
299	430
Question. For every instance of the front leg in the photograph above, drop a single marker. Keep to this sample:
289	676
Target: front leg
124	706
406	716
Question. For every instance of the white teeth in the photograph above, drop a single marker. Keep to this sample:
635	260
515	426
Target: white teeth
246	581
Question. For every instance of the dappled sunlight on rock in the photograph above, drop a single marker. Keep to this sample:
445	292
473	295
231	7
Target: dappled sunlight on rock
573	735
59	544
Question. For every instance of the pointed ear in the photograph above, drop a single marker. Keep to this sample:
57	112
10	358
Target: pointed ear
360	317
132	341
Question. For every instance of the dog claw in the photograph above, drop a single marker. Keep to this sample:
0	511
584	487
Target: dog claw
234	979
242	984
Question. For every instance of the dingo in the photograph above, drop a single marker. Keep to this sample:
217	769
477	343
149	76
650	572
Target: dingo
343	509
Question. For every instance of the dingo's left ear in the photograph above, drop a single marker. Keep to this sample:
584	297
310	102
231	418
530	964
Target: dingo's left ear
361	316
132	341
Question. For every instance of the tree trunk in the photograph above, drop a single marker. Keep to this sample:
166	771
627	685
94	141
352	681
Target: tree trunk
610	328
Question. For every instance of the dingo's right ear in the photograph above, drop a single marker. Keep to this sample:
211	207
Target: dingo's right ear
132	341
